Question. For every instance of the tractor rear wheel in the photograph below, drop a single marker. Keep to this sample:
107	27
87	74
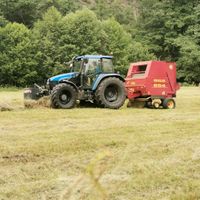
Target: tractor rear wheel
110	93
169	104
63	96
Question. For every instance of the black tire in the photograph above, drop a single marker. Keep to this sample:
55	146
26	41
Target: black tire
63	96
111	93
169	104
53	105
148	104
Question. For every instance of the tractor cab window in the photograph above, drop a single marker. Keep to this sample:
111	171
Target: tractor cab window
107	65
93	67
77	65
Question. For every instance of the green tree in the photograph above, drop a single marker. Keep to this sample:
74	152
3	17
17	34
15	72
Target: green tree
48	33
59	39
117	41
82	33
63	6
17	56
27	12
3	21
162	22
164	25
189	60
120	43
124	12
21	11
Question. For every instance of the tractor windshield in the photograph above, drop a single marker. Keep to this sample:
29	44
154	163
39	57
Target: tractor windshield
77	65
107	65
93	66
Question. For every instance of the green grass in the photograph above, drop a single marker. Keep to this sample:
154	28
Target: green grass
8	89
90	153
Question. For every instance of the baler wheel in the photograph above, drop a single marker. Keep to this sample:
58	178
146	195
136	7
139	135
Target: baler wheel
156	105
110	93
63	96
169	104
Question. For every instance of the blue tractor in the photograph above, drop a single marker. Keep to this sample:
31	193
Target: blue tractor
92	79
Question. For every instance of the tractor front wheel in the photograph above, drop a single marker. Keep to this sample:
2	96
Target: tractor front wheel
63	96
169	104
111	93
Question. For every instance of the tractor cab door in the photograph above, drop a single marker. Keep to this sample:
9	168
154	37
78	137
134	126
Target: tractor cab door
76	67
91	69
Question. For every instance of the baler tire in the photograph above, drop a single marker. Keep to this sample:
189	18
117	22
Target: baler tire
169	104
68	92
111	93
156	105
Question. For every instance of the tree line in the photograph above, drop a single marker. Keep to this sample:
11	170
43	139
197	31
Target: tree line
37	37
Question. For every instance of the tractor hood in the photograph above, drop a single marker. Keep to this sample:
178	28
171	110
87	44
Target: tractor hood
61	77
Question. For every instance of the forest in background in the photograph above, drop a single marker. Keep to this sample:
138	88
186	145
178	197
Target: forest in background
38	36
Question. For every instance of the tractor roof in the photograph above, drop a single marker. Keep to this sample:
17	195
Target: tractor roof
93	57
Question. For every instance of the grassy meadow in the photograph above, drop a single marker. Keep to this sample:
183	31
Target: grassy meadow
92	153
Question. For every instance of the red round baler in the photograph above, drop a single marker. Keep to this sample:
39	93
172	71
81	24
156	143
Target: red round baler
152	82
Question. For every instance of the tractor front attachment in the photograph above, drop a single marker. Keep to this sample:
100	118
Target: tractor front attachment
35	93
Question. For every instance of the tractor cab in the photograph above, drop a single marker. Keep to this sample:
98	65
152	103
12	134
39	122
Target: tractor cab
84	71
90	67
92	64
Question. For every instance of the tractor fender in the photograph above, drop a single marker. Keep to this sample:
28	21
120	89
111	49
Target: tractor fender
101	77
70	83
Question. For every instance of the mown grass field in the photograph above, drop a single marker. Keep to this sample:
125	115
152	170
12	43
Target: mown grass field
91	153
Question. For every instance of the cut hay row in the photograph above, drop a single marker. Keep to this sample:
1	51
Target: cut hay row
5	107
20	104
43	102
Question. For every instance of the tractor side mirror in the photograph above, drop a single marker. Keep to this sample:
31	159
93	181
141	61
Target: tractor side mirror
71	65
67	64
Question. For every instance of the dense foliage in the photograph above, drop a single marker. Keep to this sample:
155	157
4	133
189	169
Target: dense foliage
38	36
